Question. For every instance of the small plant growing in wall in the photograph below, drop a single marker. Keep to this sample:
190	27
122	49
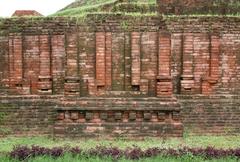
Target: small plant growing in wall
2	116
124	25
3	130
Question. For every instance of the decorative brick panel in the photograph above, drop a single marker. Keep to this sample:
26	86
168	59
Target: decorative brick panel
100	58
72	79
164	80
71	55
164	58
108	60
176	60
201	59
187	82
136	58
15	61
58	55
214	63
149	63
4	62
118	61
128	62
215	57
86	43
31	55
229	67
90	45
188	50
45	73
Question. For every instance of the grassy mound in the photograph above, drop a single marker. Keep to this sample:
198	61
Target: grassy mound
83	7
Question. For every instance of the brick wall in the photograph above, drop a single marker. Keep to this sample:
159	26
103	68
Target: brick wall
32	115
208	115
198	7
203	54
110	77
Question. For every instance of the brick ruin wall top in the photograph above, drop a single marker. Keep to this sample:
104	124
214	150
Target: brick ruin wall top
21	13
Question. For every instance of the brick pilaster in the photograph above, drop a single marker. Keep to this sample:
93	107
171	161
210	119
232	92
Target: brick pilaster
135	55
164	81
187	78
45	79
100	59
31	63
16	62
214	64
58	55
108	61
72	80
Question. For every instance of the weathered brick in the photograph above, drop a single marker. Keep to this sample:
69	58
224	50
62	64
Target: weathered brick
74	115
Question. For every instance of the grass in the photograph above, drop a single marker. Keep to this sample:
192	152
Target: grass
80	8
201	15
69	158
89	2
92	6
84	9
6	144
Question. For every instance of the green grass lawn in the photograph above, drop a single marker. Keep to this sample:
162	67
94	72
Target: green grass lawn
70	158
7	144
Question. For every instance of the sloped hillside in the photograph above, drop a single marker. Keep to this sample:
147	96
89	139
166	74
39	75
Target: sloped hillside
137	7
83	7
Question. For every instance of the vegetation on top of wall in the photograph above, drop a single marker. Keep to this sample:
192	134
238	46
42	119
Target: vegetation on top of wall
227	3
101	1
204	16
1	21
4	114
90	11
125	20
135	7
215	7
